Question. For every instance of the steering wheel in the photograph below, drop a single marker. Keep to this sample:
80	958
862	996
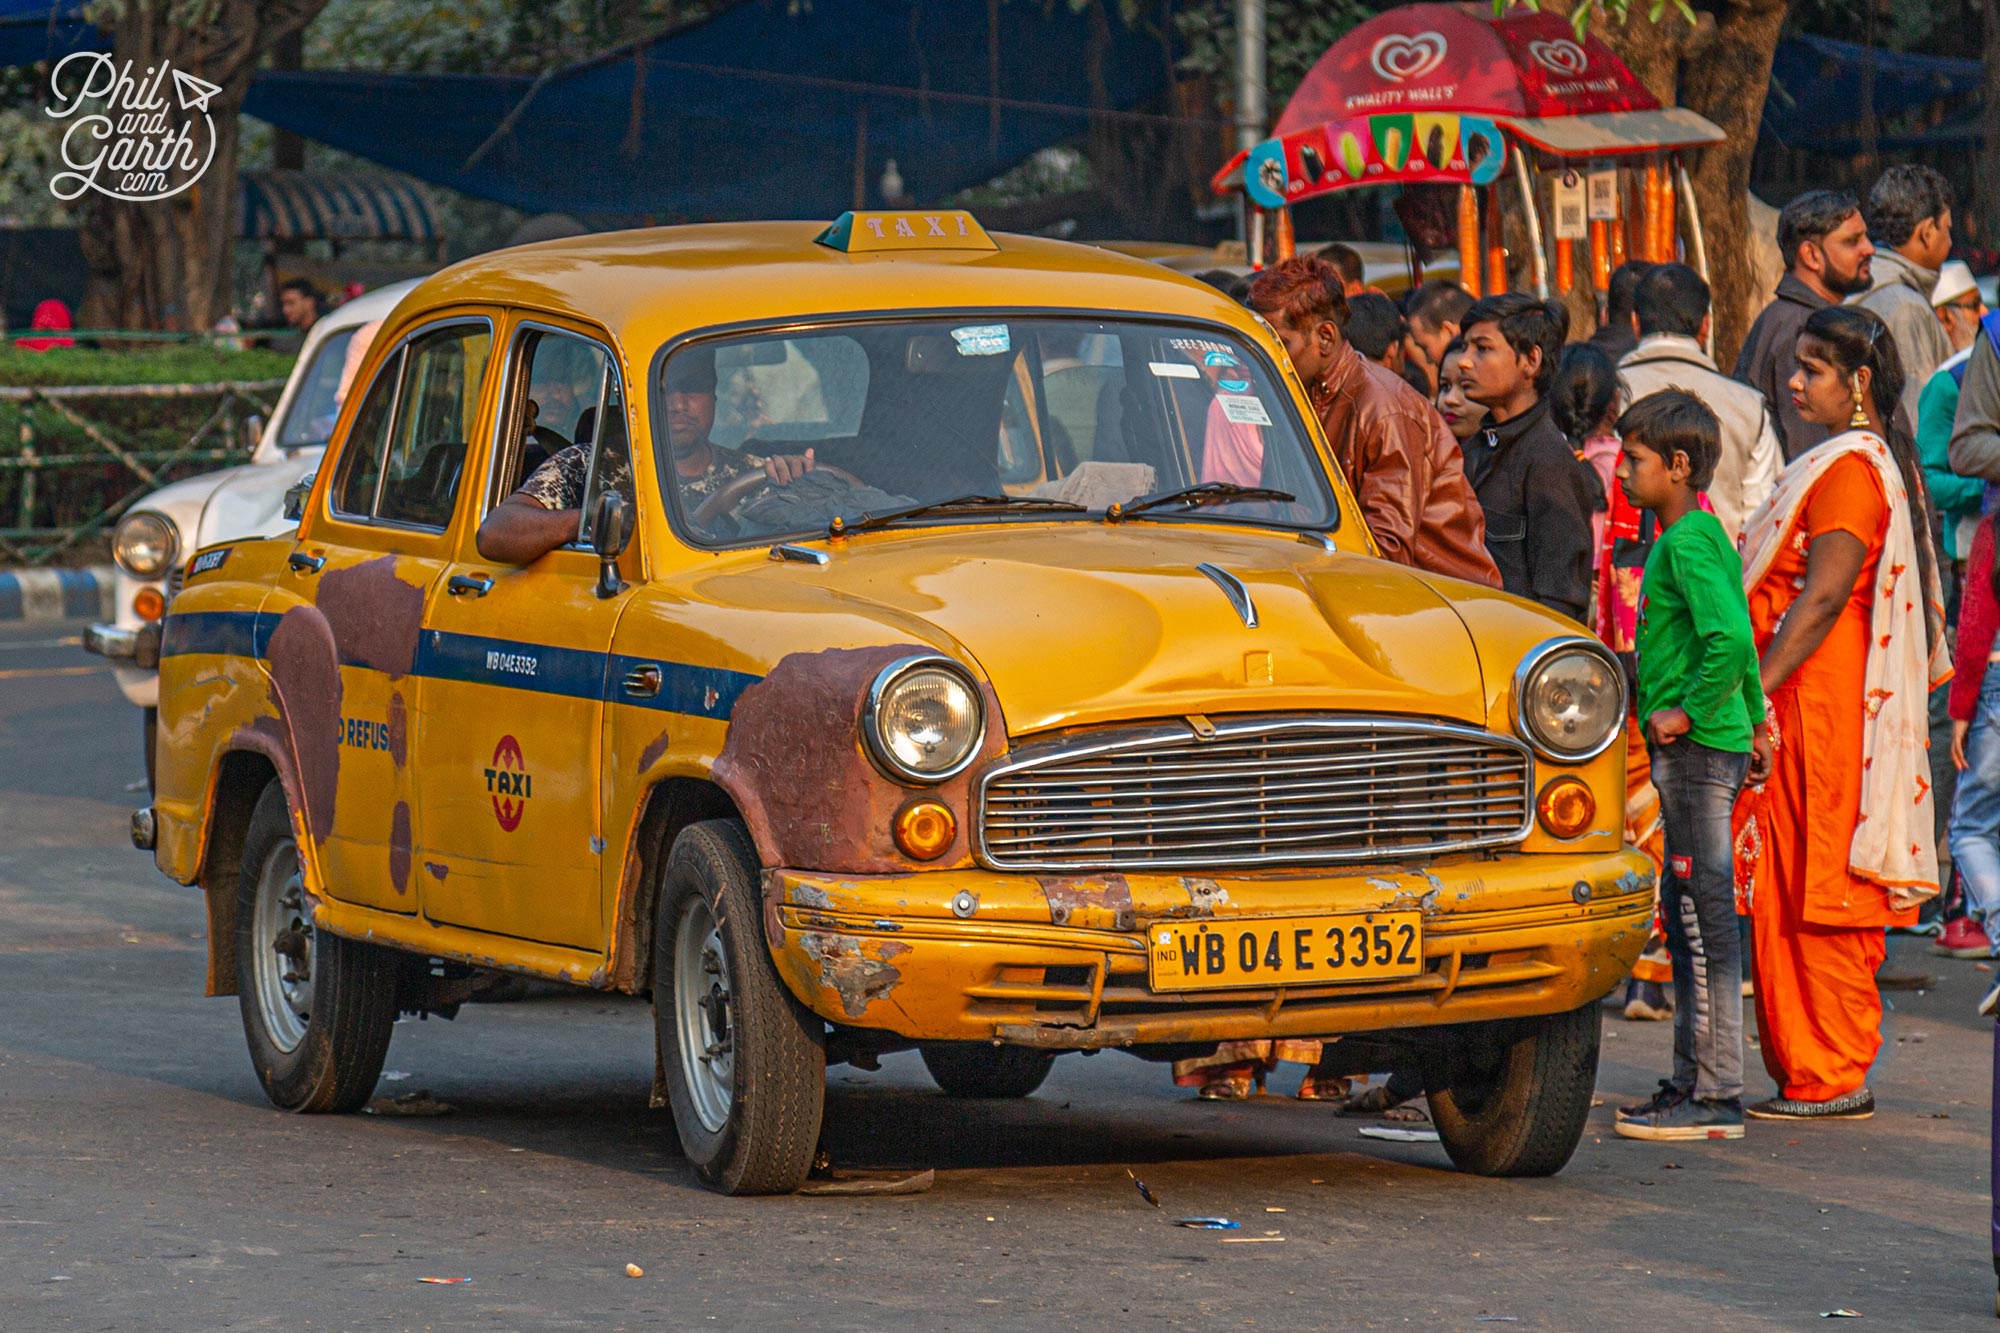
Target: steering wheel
736	492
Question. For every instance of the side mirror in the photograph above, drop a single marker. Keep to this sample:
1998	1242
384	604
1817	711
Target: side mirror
295	496
608	537
253	431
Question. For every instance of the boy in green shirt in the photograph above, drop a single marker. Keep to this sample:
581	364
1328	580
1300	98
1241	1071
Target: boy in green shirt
1703	711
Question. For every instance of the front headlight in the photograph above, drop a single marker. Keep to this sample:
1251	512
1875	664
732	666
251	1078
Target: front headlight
1569	699
924	720
145	544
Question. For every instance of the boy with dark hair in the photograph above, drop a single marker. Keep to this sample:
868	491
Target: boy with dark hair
1616	335
1537	496
1672	304
1435	312
1828	258
1702	706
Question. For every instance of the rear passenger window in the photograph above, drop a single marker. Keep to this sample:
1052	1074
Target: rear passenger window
407	449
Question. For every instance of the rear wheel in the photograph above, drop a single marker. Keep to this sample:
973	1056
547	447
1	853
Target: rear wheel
979	1069
317	1009
745	1063
1511	1098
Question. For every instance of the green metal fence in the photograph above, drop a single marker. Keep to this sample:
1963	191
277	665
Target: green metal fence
83	454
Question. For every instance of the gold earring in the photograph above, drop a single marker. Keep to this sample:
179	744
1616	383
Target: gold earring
1860	419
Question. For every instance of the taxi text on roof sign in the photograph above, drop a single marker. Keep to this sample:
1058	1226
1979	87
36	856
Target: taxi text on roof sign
945	229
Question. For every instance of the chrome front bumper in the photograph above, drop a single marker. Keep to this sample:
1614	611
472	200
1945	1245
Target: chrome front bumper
140	647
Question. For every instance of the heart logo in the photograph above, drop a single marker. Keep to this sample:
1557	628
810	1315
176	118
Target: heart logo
1398	58
1562	56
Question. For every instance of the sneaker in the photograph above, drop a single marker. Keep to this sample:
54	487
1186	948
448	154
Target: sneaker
1856	1105
1686	1118
1646	1002
1962	938
1667	1095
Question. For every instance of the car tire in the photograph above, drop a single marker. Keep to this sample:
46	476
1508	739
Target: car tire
745	1063
1511	1098
149	739
317	1036
981	1069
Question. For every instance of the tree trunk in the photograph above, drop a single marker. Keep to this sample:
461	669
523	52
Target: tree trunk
168	263
1722	69
1727	81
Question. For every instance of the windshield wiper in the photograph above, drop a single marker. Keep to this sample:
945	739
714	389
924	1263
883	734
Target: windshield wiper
1194	497
964	504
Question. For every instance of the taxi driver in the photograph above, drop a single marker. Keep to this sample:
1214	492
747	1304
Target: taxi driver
545	512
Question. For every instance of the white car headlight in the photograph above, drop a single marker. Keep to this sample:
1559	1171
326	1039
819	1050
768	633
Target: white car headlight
145	544
924	720
1569	699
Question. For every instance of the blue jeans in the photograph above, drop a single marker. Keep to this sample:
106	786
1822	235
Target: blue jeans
1698	789
1975	811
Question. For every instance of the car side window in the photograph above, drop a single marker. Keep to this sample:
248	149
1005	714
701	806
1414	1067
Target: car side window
407	449
565	438
309	423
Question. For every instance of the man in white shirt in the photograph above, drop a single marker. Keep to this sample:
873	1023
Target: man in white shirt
1672	305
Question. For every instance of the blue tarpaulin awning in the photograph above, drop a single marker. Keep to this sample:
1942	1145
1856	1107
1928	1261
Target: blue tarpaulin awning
36	30
770	109
1815	98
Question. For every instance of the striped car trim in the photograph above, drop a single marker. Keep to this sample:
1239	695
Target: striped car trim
576	673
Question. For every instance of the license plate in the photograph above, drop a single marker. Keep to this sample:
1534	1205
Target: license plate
1284	950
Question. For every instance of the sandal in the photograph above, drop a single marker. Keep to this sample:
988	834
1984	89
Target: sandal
1228	1085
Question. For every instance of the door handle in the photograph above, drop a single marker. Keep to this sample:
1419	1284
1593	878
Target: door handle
643	682
476	584
306	564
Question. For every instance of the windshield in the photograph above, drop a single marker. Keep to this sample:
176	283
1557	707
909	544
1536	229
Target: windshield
309	422
771	436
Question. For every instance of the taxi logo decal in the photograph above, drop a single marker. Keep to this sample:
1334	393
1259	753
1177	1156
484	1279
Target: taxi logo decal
509	784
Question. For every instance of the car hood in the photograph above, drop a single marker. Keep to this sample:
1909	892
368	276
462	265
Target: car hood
250	501
1086	622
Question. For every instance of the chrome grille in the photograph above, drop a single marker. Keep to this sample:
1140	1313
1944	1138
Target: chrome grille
1258	792
175	577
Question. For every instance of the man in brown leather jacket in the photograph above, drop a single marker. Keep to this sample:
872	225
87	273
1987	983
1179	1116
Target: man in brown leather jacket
1401	461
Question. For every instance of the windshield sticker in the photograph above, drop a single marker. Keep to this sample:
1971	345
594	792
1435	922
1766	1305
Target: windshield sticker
982	340
1201	346
1233	386
1219	359
1244	411
1173	370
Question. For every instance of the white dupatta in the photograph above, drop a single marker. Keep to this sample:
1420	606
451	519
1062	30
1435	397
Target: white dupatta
1893	842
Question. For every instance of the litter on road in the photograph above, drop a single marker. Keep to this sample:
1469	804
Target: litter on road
1207	1223
1394	1134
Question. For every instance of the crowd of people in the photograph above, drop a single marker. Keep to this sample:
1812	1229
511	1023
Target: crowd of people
1779	555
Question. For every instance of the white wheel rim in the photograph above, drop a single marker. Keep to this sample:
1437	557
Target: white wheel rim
704	1015
281	940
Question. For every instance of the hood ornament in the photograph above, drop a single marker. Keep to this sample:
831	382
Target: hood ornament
1233	588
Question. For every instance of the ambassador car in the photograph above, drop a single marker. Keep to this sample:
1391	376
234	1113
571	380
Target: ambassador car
965	644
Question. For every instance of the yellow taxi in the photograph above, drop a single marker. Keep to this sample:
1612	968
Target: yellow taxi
933	639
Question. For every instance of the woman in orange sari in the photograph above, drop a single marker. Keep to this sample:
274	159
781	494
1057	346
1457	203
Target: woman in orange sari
1837	843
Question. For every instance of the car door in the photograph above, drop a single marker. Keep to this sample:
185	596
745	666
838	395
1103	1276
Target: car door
344	653
509	739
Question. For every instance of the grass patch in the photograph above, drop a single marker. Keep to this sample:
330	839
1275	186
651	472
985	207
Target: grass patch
151	365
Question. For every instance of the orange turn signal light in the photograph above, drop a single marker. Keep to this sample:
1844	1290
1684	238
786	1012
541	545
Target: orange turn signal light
1566	807
925	829
149	604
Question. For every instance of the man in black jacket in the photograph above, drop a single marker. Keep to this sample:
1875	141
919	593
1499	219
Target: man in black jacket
1526	474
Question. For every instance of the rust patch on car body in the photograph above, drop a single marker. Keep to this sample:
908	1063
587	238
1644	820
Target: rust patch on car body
860	971
1092	904
1204	896
399	847
793	763
376	617
305	693
651	754
399	729
436	870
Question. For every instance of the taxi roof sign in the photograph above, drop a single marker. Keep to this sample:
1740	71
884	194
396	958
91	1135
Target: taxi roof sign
857	233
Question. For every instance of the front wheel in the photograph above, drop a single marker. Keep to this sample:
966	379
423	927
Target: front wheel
1511	1098
979	1069
317	1009
745	1063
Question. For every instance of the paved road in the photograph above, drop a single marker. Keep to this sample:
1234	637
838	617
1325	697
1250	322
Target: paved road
146	1184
